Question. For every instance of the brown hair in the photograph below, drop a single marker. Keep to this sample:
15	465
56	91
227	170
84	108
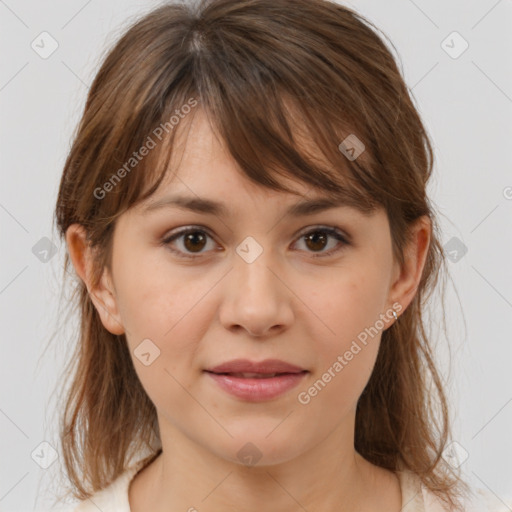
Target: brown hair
251	65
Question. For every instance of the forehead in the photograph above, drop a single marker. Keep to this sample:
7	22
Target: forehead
197	139
201	174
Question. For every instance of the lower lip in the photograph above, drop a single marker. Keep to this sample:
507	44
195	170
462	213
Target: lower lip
257	390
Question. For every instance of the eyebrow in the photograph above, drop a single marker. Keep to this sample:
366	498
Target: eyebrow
208	206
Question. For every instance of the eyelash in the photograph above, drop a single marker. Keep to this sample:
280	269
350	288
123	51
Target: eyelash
335	233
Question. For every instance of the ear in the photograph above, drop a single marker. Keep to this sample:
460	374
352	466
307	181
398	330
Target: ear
103	295
406	278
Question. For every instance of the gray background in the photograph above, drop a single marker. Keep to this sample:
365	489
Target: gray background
466	103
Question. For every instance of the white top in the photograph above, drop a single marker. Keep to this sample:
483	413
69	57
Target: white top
415	497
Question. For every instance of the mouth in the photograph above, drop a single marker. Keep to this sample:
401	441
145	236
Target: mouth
245	367
256	386
247	375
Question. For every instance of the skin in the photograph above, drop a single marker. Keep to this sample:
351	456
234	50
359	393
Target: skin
287	304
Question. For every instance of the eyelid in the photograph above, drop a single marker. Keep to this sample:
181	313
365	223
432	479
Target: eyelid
335	232
343	238
178	233
328	229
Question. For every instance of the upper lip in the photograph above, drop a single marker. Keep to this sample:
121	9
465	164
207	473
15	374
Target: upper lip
246	366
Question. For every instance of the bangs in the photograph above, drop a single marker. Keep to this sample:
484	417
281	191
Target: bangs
278	105
285	139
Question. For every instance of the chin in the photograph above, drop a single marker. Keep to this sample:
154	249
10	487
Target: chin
252	446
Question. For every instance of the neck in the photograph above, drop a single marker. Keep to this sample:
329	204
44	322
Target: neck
331	476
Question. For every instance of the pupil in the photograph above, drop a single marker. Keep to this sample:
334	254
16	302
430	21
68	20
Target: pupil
192	237
314	237
318	240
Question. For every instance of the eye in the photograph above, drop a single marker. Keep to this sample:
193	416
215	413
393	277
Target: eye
318	238
194	239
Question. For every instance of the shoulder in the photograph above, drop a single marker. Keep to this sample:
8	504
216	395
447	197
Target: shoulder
417	498
482	499
114	497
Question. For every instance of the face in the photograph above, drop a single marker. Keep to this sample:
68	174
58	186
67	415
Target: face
251	283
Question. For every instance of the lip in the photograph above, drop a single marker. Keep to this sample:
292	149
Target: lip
246	366
256	389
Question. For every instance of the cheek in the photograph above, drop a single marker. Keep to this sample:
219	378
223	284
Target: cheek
347	339
167	319
346	303
154	298
170	310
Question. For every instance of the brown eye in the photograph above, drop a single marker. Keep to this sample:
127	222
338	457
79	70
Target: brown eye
316	240
192	241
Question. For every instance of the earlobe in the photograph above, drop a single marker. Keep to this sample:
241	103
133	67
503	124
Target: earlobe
406	284
105	301
103	294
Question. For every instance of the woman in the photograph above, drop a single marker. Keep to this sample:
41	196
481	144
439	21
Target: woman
282	363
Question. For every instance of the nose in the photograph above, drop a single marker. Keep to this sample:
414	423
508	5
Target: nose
256	298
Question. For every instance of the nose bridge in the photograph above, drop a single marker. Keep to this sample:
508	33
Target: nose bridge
256	299
255	282
255	276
